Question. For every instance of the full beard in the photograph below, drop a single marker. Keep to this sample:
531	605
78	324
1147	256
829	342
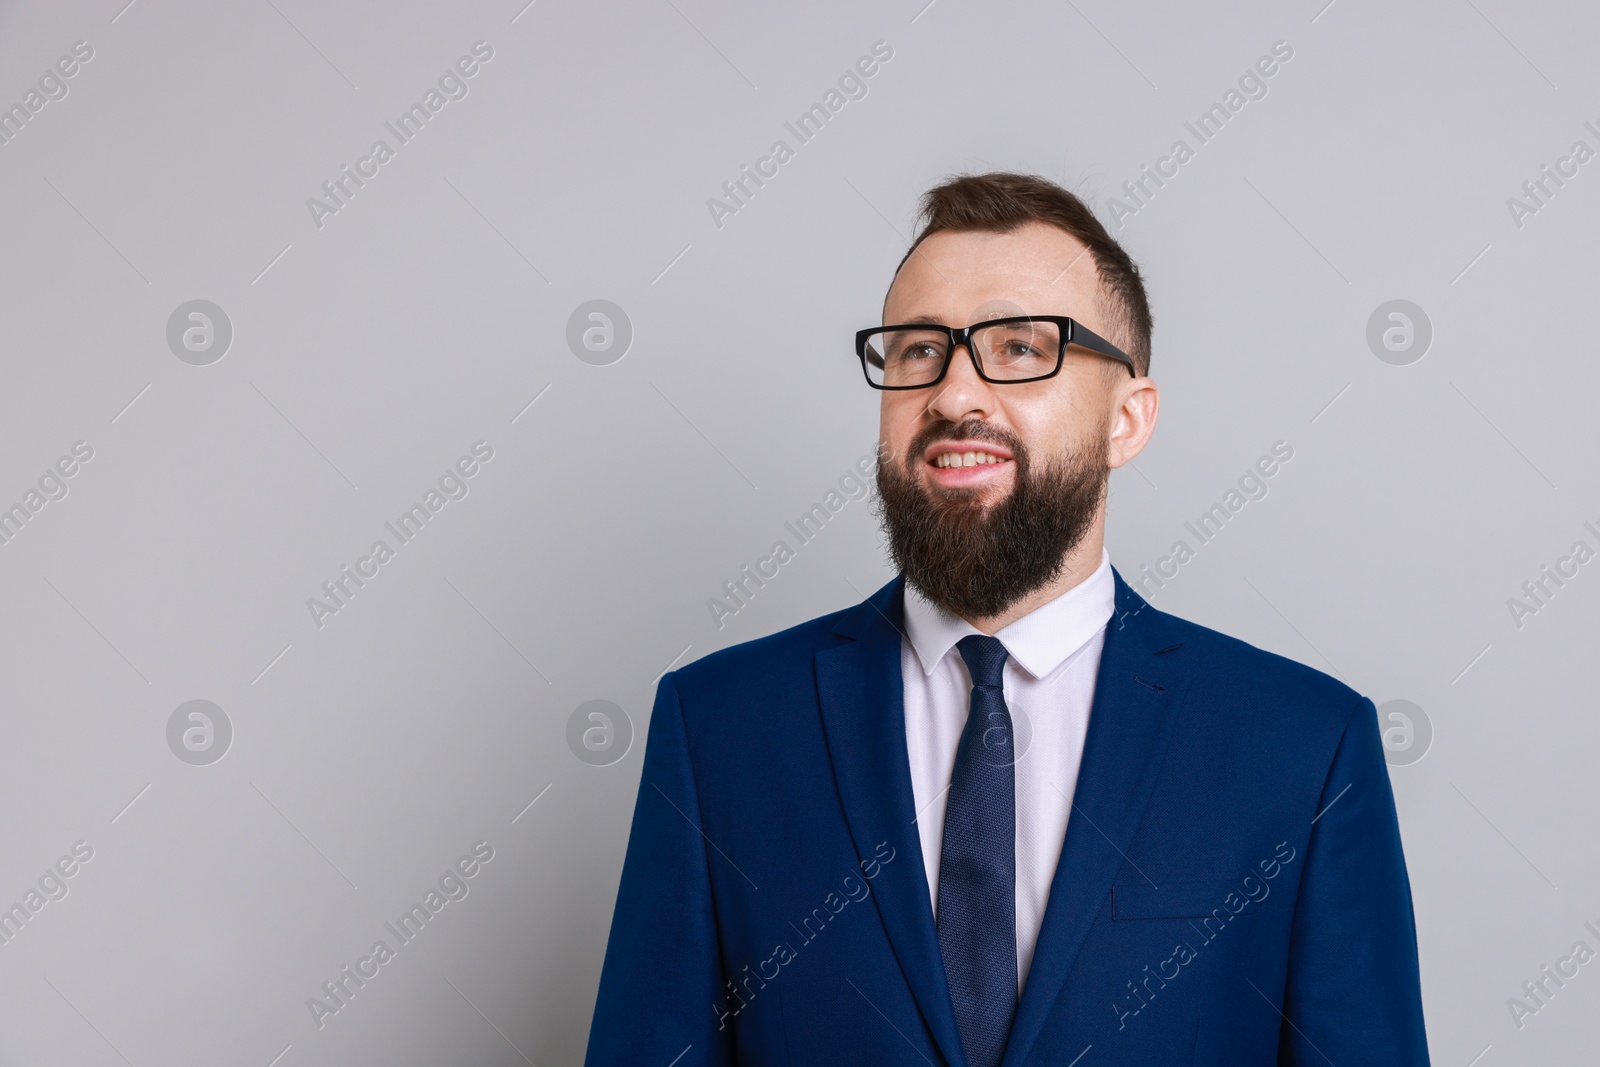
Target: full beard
977	562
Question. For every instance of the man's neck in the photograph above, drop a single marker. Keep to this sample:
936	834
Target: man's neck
1079	562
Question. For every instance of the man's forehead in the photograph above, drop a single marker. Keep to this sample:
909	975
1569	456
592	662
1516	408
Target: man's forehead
967	269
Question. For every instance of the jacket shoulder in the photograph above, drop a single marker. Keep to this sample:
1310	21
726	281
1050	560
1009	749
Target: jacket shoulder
1245	674
775	652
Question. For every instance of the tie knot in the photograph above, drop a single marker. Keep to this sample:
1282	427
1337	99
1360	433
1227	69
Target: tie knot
986	658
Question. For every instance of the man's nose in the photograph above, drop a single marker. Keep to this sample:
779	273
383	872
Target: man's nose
962	395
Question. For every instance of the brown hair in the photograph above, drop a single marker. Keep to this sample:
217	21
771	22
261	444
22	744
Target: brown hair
1000	202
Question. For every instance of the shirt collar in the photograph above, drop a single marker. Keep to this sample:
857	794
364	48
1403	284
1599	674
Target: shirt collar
1040	641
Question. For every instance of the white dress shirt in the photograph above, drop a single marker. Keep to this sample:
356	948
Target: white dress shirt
1053	655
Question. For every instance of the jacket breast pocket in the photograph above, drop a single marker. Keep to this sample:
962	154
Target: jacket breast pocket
1180	900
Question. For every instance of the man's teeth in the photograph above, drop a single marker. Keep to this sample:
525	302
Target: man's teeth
965	459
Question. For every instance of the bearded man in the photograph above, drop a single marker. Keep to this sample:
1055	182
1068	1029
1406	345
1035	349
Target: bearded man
1004	811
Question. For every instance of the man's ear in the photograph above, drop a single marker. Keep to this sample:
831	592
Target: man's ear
1133	421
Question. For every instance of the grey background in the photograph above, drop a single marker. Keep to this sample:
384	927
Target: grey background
369	354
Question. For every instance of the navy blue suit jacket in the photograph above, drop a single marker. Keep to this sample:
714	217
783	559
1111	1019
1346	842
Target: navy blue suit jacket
1231	891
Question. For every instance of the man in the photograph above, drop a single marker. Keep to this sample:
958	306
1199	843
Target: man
1004	811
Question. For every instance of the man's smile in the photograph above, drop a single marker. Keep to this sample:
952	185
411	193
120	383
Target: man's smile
967	464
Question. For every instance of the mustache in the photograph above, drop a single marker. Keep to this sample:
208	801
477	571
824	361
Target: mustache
968	430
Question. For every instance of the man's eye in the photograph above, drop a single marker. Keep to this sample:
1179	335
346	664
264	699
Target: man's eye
1015	351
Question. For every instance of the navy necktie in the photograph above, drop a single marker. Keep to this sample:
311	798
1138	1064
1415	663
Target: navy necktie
978	864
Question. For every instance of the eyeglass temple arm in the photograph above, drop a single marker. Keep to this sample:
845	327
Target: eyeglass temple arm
1082	335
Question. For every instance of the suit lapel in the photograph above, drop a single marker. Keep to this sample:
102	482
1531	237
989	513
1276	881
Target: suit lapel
861	693
1136	699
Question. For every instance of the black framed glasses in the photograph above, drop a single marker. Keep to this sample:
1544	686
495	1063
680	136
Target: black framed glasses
1022	348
